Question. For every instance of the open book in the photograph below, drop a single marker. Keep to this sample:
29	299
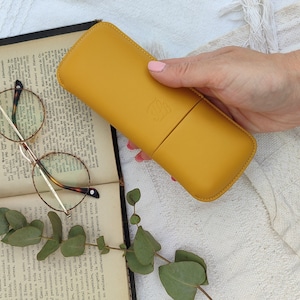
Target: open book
70	126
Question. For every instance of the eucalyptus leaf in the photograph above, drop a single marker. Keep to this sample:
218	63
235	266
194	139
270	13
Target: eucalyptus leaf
105	250
25	236
135	219
4	225
133	196
16	219
50	247
135	266
181	279
123	246
145	246
101	242
5	238
182	255
102	246
56	225
74	246
76	230
38	224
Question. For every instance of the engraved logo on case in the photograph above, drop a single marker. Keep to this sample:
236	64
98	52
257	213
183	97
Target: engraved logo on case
158	110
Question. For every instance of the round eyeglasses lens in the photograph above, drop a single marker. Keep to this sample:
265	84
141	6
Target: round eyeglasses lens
27	114
66	174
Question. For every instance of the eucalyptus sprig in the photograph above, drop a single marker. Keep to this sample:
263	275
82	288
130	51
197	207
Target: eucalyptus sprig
181	278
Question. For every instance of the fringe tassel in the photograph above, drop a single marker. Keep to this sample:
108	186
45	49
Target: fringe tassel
259	15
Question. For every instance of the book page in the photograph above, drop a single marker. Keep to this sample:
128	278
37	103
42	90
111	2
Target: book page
89	276
70	126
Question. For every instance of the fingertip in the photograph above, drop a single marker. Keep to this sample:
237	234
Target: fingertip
141	156
156	66
171	74
131	146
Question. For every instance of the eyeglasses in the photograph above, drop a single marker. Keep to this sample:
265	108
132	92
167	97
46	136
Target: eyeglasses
61	179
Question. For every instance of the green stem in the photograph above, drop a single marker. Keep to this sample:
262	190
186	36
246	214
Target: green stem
86	244
119	249
204	292
47	238
161	257
111	248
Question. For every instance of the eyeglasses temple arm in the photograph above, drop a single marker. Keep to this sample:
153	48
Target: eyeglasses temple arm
17	94
83	190
92	192
54	192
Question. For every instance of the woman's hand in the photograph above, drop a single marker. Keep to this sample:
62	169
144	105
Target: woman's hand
261	92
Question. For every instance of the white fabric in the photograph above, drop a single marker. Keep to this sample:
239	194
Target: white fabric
285	39
241	235
259	15
274	172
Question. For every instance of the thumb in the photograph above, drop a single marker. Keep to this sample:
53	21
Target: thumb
181	72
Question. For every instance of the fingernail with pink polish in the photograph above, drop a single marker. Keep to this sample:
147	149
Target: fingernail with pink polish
129	146
139	157
156	66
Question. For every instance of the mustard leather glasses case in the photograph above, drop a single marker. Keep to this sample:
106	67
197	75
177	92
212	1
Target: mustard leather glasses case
198	145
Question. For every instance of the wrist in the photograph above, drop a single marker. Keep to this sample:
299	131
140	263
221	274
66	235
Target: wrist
291	73
292	69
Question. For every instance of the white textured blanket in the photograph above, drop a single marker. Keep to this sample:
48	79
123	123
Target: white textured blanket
250	237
